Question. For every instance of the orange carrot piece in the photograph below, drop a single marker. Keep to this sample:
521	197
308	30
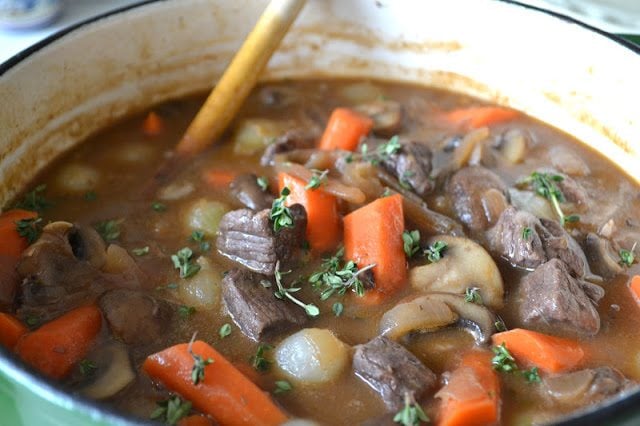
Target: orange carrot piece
225	394
219	179
344	130
56	347
12	243
634	286
472	395
152	125
11	329
323	219
195	420
373	234
549	353
475	117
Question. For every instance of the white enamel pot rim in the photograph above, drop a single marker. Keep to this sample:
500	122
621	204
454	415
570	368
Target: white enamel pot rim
587	97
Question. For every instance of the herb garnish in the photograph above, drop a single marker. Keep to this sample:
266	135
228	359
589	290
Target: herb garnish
158	207
531	376
435	251
317	179
545	185
87	367
225	330
34	200
411	242
503	361
280	214
472	295
109	230
199	363
382	152
186	311
199	237
282	386
500	325
627	257
526	233
140	251
182	261
336	277
171	410
258	361
263	183
29	228
412	414
337	309
285	293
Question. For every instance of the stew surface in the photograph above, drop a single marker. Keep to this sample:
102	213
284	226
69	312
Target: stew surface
351	252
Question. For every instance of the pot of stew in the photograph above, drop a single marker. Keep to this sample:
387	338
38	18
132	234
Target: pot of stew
425	213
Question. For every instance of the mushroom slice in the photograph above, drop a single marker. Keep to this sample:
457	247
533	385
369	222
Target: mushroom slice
434	311
117	373
464	264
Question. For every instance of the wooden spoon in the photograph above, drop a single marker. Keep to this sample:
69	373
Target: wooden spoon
239	78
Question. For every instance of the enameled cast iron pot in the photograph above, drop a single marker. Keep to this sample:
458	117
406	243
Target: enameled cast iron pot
62	90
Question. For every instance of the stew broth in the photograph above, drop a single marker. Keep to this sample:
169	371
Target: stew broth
117	165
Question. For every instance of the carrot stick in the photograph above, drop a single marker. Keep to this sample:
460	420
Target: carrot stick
373	234
152	124
549	353
12	244
475	117
634	286
225	394
195	420
57	346
219	179
10	330
323	219
472	394
344	130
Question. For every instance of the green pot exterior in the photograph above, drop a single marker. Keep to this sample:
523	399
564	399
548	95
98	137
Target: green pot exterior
21	406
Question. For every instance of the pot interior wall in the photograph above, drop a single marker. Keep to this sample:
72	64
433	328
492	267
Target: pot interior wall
105	70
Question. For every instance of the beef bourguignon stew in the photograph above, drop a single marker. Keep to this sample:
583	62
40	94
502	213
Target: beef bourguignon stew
351	252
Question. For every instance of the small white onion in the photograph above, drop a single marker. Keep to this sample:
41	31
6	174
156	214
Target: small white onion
77	178
203	289
204	215
312	356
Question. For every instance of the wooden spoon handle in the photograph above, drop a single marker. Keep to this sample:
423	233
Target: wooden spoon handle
240	76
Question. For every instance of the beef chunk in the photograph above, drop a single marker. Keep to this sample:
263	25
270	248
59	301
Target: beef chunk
59	271
386	116
246	189
254	308
392	371
516	237
410	164
527	242
293	139
248	238
587	386
552	300
135	317
467	188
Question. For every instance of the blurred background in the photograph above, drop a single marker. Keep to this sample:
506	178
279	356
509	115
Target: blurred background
25	22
